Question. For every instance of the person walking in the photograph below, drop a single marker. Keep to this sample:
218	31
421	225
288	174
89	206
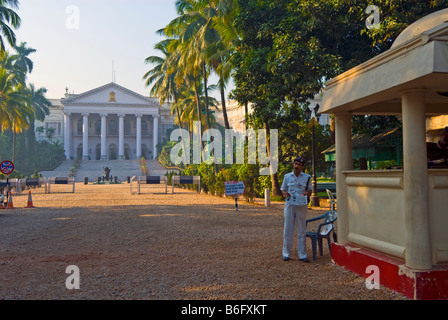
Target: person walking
296	188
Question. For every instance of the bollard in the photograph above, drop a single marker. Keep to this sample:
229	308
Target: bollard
86	180
267	197
128	179
98	180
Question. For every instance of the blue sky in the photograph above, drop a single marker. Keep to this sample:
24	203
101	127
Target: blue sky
77	40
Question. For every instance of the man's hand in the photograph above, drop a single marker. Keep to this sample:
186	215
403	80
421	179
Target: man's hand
285	194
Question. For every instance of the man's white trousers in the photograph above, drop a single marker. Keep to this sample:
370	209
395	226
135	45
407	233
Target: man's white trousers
293	214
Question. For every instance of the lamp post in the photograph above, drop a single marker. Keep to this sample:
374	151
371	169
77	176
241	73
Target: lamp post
314	197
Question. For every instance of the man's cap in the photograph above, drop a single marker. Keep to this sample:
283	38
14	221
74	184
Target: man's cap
300	160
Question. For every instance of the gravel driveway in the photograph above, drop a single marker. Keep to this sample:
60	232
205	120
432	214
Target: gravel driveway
157	246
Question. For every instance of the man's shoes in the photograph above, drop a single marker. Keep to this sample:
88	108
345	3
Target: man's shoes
285	258
304	260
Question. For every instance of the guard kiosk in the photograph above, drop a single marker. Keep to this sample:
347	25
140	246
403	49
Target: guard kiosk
395	219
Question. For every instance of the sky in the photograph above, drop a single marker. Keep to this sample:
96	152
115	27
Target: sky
85	44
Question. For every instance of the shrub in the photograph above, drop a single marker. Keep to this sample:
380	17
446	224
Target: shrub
249	174
264	182
207	174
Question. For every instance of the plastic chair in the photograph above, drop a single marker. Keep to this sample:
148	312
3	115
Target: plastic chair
323	231
332	200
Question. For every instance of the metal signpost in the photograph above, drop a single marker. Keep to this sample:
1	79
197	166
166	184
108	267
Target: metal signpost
234	188
7	167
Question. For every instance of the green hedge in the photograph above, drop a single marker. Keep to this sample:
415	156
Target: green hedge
249	173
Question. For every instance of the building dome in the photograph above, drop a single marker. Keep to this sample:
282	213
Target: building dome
424	24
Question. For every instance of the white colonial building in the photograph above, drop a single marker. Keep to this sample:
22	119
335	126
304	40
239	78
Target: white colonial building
107	123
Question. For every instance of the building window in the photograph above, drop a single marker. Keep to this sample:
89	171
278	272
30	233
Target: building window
79	127
144	128
98	127
54	127
113	127
127	127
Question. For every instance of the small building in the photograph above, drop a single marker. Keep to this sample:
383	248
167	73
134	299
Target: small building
368	149
395	220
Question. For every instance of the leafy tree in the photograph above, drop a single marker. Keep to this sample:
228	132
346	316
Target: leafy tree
163	76
8	18
253	79
290	48
219	53
39	104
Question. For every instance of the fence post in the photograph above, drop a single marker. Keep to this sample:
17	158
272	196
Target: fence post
267	197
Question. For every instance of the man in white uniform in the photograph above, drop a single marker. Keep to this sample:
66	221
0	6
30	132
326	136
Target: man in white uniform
295	186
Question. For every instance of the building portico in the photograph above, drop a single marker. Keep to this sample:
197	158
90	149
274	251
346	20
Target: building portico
110	123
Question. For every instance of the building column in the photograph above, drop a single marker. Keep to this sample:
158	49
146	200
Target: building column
85	136
103	137
139	136
121	136
415	176
67	137
344	161
155	135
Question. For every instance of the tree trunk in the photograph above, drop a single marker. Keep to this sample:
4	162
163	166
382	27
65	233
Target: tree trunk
13	146
207	113
31	139
206	95
180	126
198	109
246	113
223	104
275	186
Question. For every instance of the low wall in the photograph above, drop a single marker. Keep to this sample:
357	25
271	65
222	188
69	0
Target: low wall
375	210
438	219
376	214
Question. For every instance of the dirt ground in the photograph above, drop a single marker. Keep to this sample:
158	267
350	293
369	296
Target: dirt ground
157	246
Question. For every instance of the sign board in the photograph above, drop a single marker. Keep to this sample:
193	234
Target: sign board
6	167
233	188
298	200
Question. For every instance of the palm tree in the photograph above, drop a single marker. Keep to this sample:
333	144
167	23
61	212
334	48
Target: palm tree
8	17
198	35
219	53
193	29
37	101
197	39
187	51
14	111
163	76
21	62
39	104
7	62
187	103
206	30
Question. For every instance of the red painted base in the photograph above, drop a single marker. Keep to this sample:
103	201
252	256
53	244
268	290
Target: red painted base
393	274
